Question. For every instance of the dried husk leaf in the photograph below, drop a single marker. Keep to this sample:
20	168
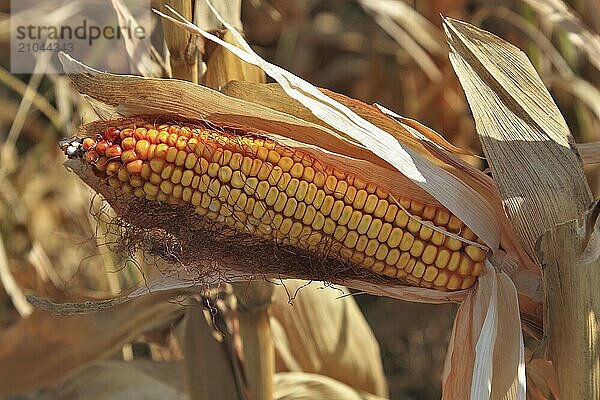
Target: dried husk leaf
43	349
320	329
488	321
143	57
525	138
305	386
136	379
208	369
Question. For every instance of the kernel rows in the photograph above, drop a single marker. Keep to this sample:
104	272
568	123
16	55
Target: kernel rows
257	186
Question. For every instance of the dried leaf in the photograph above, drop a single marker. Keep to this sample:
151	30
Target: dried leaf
304	386
208	367
45	348
486	323
143	57
320	329
128	380
523	134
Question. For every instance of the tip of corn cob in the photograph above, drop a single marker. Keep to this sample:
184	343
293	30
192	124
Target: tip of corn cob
256	186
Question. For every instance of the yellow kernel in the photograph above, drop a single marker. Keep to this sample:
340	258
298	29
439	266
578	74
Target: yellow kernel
438	238
441	217
453	244
382	252
454	261
171	155
406	241
418	270
286	163
308	174
190	160
370	203
417	248
297	170
429	254
430	274
213	169
364	224
280	202
443	257
157	165
468	281
292	187
464	268
176	176
395	237
374	228
390	214
329	226
425	233
186	195
454	282
360	199
402	219
319	198
319	179
327	205
330	184
393	257
290	207
238	180
301	191
340	233
345	216
155	179
442	279
381	209
150	189
273	157
372	247
186	178
224	174
476	253
271	195
309	215
318	221
428	213
351	239
403	260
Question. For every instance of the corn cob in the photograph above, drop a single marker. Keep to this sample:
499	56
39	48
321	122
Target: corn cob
258	186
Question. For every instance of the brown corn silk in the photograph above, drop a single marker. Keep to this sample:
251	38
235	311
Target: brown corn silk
256	185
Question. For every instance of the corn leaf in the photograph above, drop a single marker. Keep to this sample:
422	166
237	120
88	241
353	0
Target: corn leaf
523	134
323	332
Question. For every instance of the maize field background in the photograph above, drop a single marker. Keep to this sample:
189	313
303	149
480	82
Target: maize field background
56	235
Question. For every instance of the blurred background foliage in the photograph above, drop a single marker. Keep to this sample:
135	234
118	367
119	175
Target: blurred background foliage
378	51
